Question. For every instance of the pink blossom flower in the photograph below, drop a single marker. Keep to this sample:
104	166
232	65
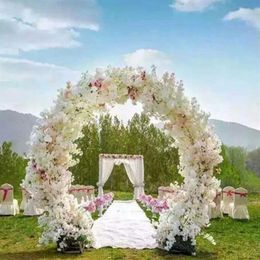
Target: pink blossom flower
99	201
91	207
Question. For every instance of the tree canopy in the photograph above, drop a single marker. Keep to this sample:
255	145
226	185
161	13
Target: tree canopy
139	136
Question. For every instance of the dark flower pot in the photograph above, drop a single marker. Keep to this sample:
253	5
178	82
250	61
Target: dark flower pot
183	247
72	246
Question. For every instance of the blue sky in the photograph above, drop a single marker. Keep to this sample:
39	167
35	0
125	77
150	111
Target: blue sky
212	45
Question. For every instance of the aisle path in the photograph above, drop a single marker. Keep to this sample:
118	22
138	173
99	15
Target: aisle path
124	225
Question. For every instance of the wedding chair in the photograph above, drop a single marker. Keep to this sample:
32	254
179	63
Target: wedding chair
89	192
24	198
31	209
82	193
215	212
228	199
76	191
161	192
8	205
168	193
239	208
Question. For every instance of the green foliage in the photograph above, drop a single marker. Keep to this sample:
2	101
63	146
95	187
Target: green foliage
139	136
251	182
234	171
12	166
86	171
253	161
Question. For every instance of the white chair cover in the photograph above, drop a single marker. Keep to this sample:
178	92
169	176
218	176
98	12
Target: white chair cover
239	210
8	205
161	192
75	190
82	193
89	193
30	209
228	200
24	199
165	192
215	212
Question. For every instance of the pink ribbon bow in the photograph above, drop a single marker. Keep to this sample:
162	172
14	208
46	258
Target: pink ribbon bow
229	193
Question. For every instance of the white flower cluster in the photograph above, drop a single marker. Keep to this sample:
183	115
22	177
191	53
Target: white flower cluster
53	146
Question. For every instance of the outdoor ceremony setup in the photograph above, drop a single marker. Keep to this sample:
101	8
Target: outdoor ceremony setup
76	217
129	130
52	149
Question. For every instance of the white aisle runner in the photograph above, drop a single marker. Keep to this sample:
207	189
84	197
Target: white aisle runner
124	225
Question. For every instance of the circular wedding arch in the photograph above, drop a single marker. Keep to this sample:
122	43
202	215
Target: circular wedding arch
53	151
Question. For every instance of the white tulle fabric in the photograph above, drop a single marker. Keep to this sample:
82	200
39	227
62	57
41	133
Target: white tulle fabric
134	169
124	225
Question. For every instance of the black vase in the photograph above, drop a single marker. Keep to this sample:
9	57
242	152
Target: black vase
181	246
72	246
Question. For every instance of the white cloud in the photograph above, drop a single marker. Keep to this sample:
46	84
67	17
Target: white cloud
193	5
146	58
32	25
250	16
29	86
17	36
21	70
52	14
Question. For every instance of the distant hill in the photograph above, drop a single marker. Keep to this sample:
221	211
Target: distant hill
234	134
16	127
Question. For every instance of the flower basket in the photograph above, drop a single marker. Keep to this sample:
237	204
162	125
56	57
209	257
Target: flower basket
181	246
72	246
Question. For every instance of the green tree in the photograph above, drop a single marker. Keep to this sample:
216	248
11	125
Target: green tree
12	166
86	171
253	161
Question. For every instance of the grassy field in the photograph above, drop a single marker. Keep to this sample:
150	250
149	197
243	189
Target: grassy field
235	240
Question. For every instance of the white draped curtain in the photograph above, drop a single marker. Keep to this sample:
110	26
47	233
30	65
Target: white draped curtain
134	168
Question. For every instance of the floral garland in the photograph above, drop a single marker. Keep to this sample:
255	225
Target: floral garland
120	156
53	148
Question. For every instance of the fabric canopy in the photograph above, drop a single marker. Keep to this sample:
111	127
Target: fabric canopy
134	166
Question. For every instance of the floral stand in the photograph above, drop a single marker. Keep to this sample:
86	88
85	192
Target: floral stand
181	246
72	246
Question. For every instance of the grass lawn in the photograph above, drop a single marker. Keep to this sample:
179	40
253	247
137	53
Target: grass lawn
235	240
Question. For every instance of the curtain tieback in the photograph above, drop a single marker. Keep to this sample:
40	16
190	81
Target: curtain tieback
139	186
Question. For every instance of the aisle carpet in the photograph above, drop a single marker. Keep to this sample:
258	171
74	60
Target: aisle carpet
124	225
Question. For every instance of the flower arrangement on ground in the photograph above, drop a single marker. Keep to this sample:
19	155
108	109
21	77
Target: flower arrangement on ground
101	202
155	205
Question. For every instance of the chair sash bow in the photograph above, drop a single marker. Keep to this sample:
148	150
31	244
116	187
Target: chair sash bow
242	194
81	189
229	193
5	190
